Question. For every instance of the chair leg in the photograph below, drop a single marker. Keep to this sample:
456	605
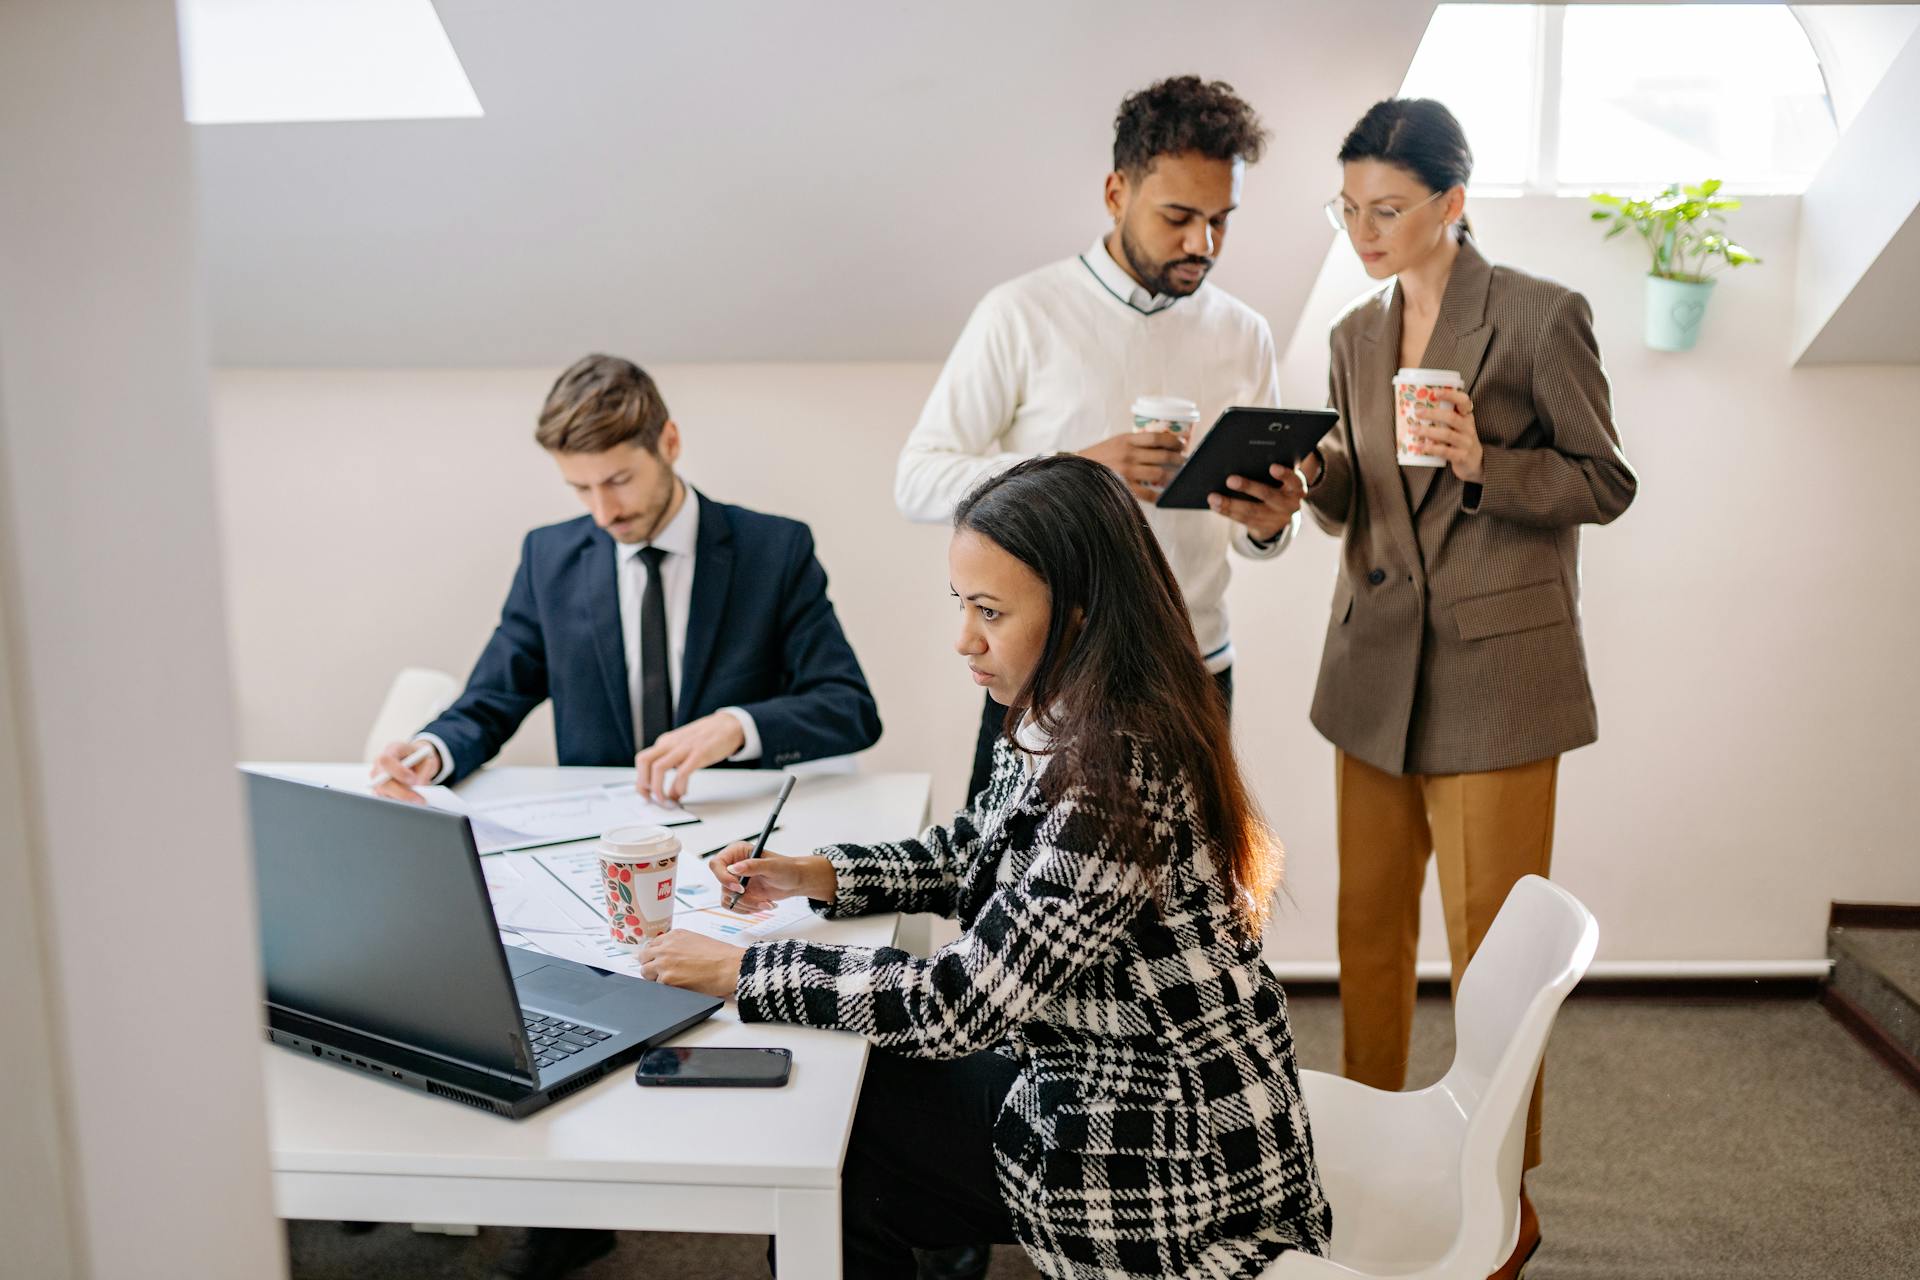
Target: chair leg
1526	1245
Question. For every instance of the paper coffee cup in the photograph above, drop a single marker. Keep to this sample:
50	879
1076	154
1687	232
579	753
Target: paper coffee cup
1413	391
637	868
1166	413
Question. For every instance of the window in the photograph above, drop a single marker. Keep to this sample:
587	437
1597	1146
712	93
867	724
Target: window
1557	98
253	62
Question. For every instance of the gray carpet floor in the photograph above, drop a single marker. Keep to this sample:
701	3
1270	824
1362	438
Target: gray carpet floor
1751	1140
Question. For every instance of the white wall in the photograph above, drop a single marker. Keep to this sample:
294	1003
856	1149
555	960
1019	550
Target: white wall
1747	619
135	1143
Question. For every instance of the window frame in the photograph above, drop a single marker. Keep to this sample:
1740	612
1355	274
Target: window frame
1546	91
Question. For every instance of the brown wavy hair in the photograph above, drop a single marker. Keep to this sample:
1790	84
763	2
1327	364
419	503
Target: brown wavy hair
599	402
1119	671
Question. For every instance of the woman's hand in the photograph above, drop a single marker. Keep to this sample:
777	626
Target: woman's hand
683	958
772	876
1448	432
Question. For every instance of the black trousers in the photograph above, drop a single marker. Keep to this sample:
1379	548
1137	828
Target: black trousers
919	1169
993	719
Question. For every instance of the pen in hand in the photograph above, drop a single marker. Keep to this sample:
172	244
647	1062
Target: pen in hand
419	755
759	846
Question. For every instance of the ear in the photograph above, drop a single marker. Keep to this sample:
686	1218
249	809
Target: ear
1456	204
669	446
1076	620
1118	191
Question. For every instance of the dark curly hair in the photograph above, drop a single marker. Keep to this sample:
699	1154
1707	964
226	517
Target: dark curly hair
1185	113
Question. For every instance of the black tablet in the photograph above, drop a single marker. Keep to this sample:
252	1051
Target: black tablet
1245	442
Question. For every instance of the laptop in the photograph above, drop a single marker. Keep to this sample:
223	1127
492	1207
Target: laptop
381	955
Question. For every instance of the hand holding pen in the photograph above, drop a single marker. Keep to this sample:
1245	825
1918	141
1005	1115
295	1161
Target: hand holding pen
760	845
395	776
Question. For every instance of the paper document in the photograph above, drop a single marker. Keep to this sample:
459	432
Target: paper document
525	822
741	927
539	915
698	902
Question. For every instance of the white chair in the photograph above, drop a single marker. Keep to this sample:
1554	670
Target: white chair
417	695
1426	1185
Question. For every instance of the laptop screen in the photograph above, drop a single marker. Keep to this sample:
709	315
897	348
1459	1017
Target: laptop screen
374	916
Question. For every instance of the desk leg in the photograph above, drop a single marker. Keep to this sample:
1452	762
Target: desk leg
806	1237
915	934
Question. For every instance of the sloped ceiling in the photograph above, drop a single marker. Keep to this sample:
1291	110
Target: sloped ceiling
749	180
1859	260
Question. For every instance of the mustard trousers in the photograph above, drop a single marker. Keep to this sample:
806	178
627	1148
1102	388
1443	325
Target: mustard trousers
1485	830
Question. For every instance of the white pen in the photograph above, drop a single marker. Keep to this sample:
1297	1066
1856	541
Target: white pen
421	754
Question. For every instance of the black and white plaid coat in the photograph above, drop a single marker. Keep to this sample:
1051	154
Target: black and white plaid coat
1156	1126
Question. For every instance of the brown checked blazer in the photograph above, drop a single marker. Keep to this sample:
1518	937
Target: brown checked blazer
1454	645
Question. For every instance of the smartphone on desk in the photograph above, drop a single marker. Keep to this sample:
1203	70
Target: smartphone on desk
714	1068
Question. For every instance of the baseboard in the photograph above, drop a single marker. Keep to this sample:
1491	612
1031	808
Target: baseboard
1748	979
1874	915
1868	1032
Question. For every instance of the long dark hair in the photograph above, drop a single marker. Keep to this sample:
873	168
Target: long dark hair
1120	667
1415	134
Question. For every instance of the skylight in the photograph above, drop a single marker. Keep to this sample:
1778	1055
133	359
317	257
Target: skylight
276	61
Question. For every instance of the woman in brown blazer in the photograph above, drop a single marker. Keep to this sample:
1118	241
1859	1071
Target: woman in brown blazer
1453	675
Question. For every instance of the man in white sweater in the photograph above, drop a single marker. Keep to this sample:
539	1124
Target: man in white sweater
1052	361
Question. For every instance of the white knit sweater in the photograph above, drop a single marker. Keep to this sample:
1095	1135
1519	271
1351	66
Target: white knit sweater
1052	361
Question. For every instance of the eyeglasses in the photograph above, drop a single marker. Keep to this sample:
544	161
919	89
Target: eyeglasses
1382	220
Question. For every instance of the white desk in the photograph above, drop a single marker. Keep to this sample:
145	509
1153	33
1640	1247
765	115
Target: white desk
613	1155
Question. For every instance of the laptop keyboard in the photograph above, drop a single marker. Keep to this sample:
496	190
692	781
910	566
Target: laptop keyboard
555	1040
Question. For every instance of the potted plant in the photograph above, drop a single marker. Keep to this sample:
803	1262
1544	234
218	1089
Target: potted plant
1683	229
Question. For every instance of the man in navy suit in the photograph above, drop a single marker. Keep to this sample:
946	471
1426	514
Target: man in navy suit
672	632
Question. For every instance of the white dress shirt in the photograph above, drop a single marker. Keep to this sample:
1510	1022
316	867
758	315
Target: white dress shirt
681	541
1052	362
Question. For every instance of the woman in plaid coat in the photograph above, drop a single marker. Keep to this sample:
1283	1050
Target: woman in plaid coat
1100	1066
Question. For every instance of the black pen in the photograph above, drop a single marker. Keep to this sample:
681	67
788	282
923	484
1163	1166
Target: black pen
759	846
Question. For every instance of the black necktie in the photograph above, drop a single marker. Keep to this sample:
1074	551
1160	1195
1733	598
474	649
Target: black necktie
656	698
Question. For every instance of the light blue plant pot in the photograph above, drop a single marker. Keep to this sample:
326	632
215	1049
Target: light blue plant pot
1675	309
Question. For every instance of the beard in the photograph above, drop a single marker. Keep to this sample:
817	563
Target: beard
1156	276
663	499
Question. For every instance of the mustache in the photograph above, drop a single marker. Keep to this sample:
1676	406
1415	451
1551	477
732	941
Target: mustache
1191	262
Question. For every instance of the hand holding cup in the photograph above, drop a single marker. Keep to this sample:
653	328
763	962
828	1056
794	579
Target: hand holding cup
1445	432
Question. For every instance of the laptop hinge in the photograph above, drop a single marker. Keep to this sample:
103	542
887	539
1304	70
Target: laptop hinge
512	1077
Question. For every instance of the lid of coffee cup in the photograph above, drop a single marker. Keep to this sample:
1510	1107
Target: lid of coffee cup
1429	378
1171	408
638	841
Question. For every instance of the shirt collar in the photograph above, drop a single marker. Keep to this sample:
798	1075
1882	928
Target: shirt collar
1035	743
680	536
1115	280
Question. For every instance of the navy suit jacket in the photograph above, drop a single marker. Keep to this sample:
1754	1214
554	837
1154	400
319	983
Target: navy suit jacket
761	636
